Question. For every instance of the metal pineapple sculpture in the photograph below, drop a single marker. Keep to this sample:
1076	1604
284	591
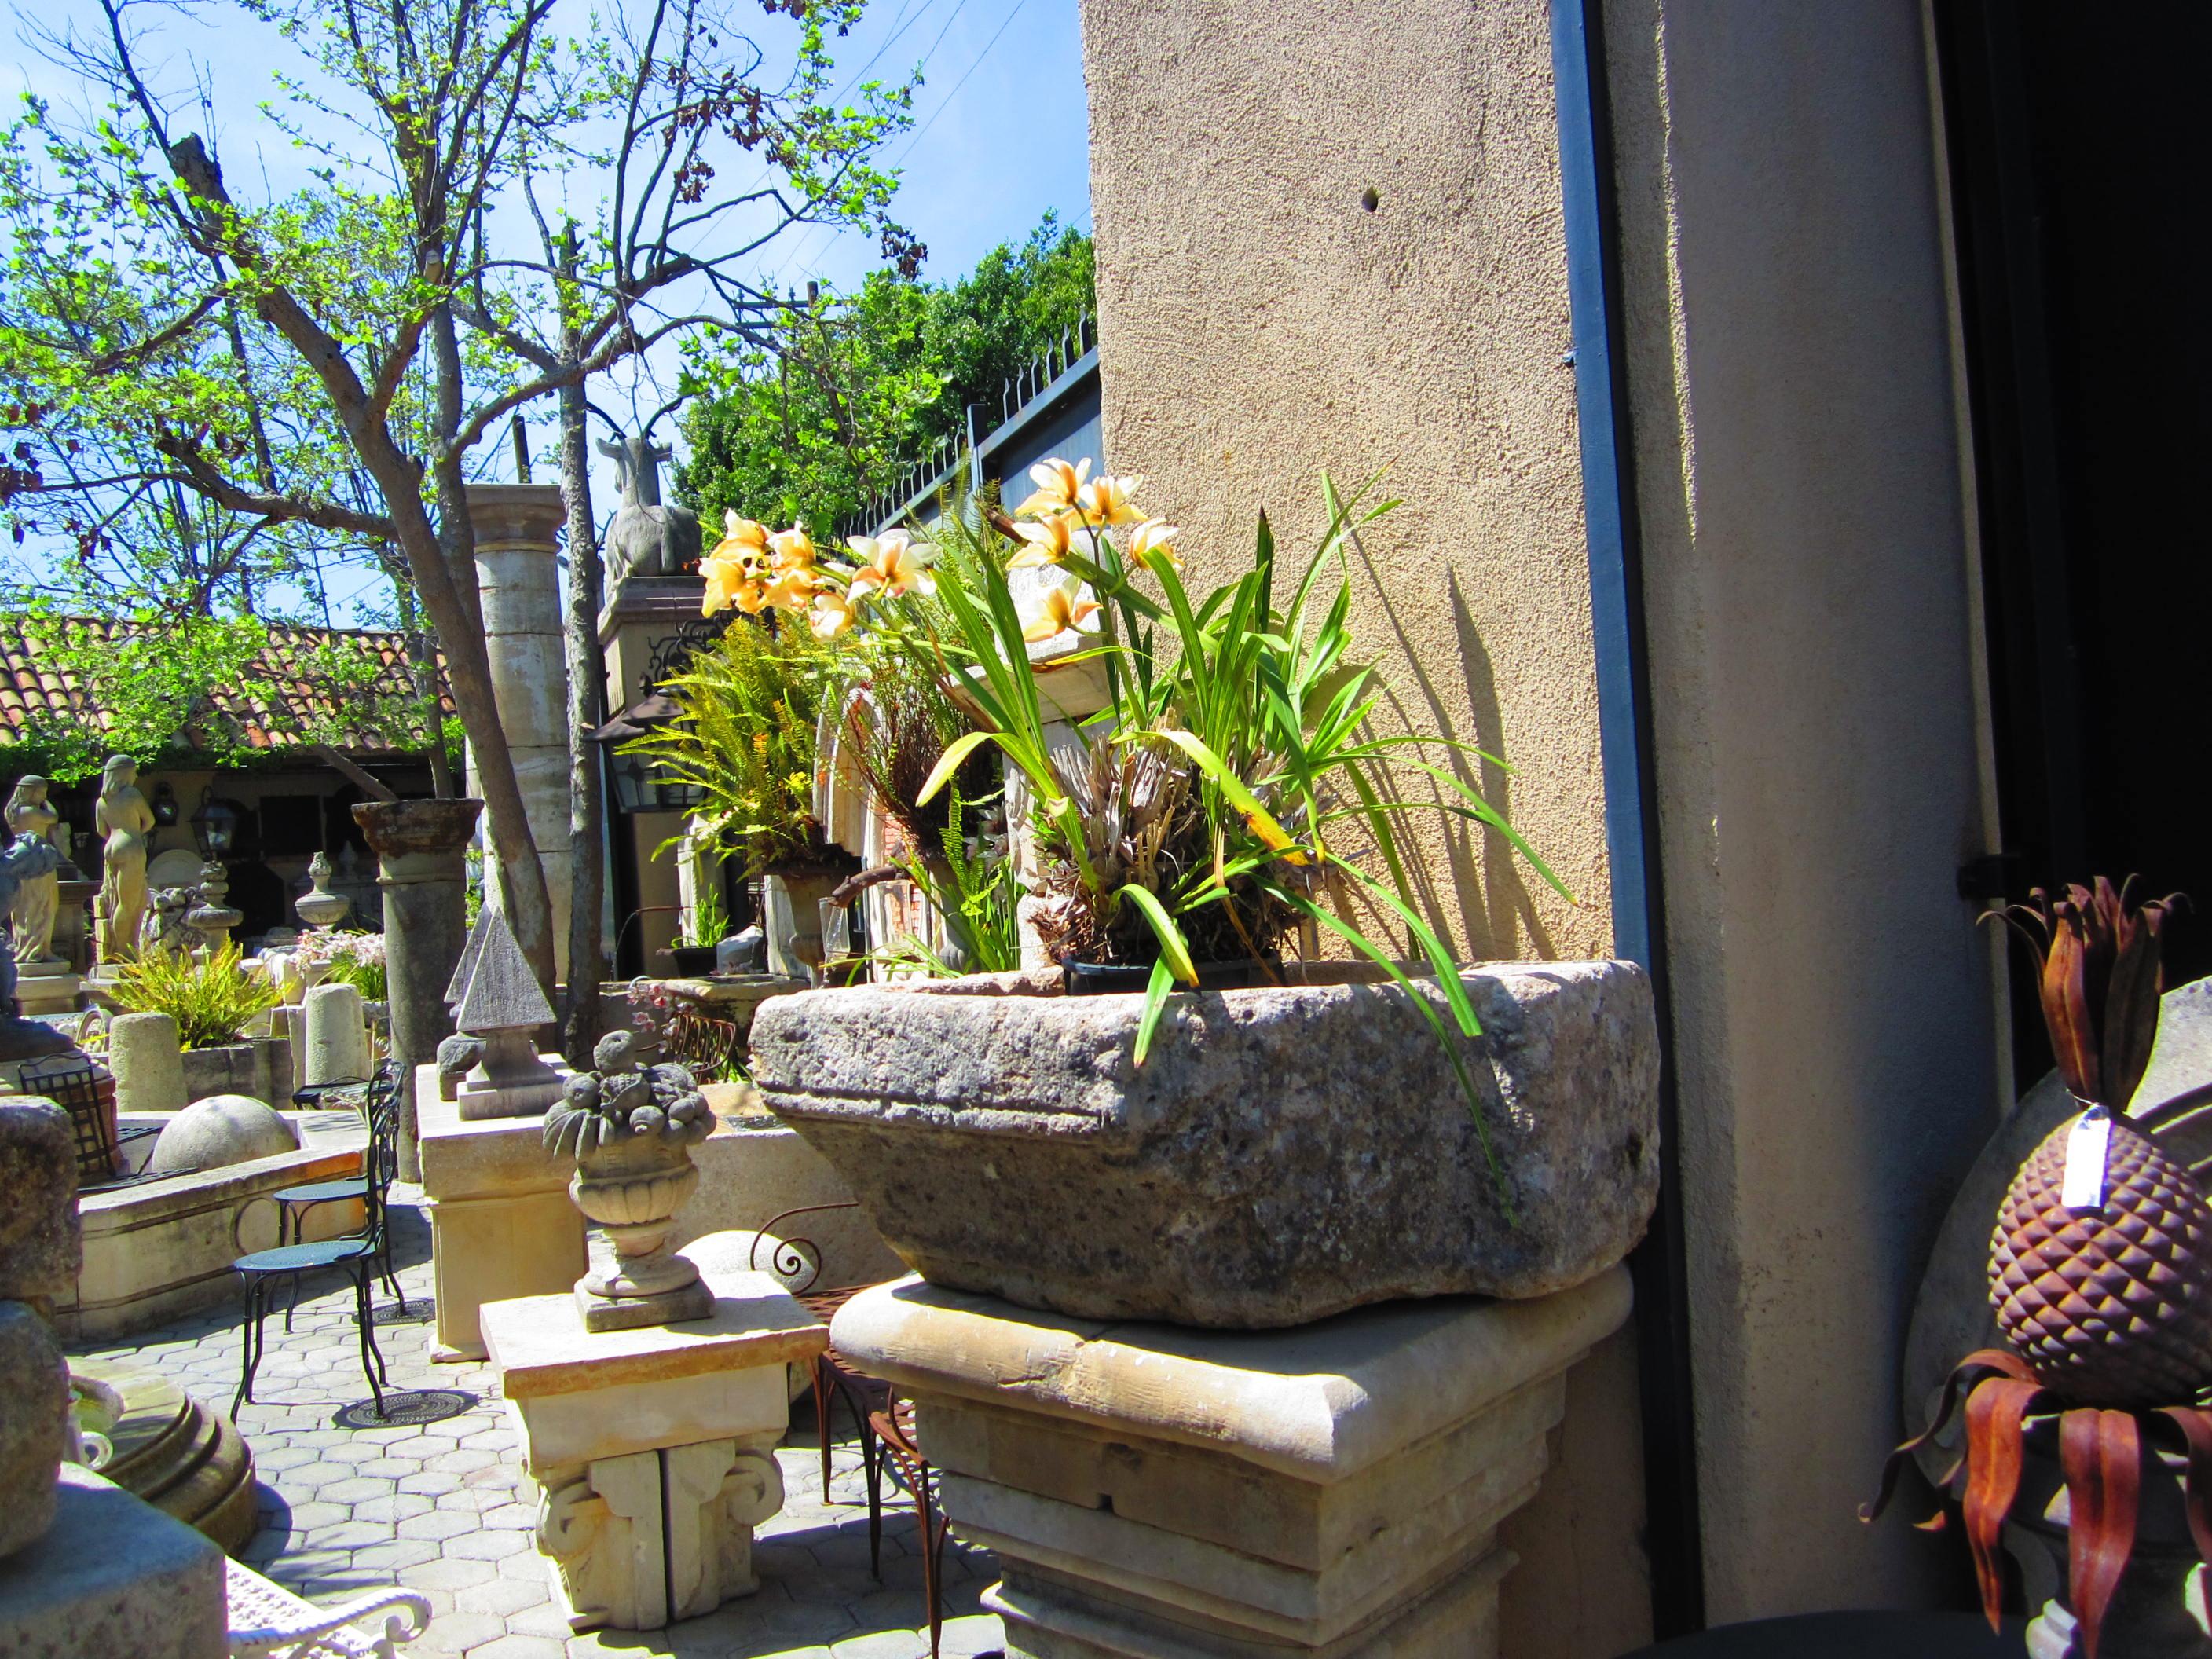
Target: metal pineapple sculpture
2100	1267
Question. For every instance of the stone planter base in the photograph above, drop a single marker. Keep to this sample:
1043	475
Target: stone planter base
1281	1154
1333	1490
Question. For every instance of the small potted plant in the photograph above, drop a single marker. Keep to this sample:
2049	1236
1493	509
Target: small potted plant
693	952
1321	1136
2089	1430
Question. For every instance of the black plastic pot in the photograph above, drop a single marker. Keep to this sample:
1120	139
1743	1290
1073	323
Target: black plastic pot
1094	978
693	961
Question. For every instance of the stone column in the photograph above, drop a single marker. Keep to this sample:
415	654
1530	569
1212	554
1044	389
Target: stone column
1331	1489
337	1041
418	845
517	530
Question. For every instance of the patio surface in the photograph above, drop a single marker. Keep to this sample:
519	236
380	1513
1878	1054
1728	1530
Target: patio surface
444	1510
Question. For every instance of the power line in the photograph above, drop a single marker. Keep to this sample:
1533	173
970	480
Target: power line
816	249
961	82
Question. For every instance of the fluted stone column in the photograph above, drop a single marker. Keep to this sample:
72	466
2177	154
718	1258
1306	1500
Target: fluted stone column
419	846
517	531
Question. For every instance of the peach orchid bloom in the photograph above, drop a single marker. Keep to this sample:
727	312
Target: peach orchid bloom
1057	486
790	589
730	581
1060	611
892	562
832	614
1154	535
740	535
793	549
1048	542
1105	501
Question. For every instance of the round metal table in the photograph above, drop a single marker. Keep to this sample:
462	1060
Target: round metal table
1849	1636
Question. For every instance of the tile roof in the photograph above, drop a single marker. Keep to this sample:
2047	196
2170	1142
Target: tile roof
28	689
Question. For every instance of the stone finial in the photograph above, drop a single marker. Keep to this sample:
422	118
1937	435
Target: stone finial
318	906
502	1006
40	1247
465	970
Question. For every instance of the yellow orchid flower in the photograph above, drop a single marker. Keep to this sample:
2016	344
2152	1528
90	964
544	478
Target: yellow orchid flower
793	548
832	614
1057	486
1062	611
1154	535
892	562
729	581
790	589
1105	501
1047	540
740	535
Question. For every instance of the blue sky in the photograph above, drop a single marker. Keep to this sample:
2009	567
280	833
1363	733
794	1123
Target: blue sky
1001	133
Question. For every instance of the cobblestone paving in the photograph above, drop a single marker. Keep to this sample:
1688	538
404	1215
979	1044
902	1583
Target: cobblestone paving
444	1509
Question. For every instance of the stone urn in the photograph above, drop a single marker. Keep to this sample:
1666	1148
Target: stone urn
1282	1154
793	899
318	906
631	1127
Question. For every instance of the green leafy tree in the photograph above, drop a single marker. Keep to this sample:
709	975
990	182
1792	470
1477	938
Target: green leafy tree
808	425
148	289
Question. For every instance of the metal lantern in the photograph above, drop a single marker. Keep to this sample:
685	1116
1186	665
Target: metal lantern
641	783
215	826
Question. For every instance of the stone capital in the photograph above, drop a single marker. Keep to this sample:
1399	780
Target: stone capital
527	516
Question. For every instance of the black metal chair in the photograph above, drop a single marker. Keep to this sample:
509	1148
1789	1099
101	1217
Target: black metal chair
72	1084
376	1099
362	1256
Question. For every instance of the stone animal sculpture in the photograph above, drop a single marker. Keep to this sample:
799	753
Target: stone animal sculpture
647	538
167	927
457	1055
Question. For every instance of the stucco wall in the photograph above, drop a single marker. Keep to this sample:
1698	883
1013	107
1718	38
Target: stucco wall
1259	324
1807	588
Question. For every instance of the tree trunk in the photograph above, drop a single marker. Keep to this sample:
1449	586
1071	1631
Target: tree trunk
580	1020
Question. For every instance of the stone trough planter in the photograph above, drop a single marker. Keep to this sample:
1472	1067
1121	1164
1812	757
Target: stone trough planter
1283	1154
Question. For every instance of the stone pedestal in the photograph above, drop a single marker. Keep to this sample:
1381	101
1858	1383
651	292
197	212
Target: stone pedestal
1332	1489
501	1223
639	612
518	528
147	1064
336	1044
47	987
653	1448
419	846
114	1575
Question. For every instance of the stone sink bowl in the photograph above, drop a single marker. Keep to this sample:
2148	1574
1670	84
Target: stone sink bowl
1283	1154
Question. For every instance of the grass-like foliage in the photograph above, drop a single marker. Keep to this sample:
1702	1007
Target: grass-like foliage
212	1001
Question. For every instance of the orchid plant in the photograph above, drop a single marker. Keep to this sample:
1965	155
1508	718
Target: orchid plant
1232	788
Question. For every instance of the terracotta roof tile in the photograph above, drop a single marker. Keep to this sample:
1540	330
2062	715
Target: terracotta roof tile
29	690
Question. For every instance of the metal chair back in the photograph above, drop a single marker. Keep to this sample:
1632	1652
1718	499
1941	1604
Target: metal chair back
72	1084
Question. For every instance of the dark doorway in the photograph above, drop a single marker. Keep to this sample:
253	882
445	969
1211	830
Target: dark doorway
2078	153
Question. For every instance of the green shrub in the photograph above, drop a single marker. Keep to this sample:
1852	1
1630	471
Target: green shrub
212	1001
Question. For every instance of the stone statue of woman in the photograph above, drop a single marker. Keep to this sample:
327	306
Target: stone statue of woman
38	901
125	821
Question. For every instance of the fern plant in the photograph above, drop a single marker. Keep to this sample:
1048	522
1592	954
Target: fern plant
212	1000
746	738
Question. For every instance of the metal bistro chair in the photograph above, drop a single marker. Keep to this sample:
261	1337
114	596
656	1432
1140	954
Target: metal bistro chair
72	1084
832	1377
892	1431
885	1422
358	1256
378	1101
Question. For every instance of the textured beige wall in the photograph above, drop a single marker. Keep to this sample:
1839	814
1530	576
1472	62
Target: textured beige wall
1259	325
1807	584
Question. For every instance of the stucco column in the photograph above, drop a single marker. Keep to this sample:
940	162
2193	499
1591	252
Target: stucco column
419	846
517	532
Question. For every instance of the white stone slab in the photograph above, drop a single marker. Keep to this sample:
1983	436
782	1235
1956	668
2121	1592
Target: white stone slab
114	1576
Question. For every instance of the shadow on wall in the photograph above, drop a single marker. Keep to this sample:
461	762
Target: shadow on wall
1489	907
